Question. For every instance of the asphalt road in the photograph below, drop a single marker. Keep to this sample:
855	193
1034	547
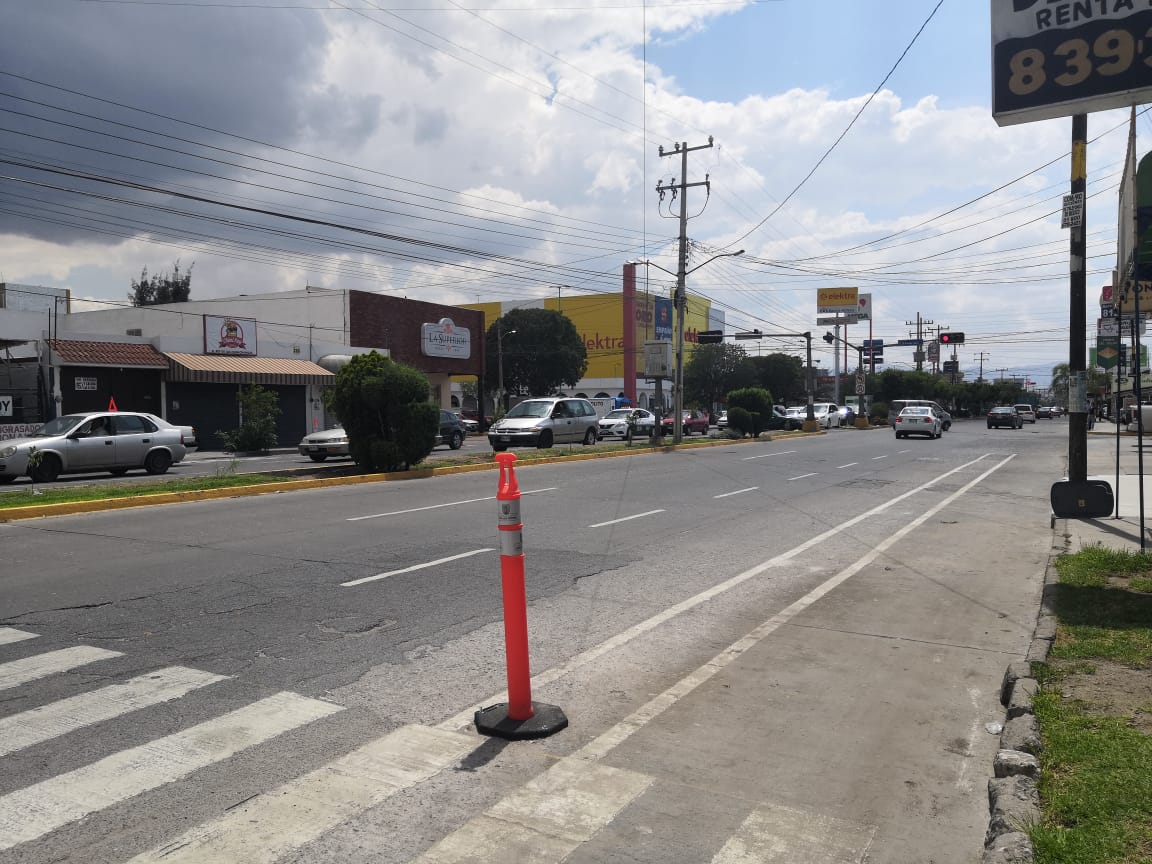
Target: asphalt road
898	578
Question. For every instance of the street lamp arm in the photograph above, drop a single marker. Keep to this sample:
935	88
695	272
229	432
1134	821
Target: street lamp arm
697	267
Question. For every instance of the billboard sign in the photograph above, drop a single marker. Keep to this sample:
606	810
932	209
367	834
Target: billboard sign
837	301
864	308
226	335
445	339
1056	58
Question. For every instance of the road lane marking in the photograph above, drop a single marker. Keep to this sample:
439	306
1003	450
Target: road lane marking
737	492
849	465
626	519
271	825
783	835
550	816
802	476
439	506
463	719
546	819
67	715
36	810
880	457
18	672
898	452
766	455
8	635
414	567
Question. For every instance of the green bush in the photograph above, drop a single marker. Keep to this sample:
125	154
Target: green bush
757	401
259	409
742	421
880	411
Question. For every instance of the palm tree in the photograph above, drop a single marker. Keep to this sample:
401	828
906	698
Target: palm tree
1061	376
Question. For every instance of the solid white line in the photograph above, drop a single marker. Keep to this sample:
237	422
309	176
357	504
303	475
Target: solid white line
35	810
623	730
545	820
438	506
19	672
802	476
774	834
737	492
463	719
414	567
766	455
59	718
880	457
8	635
275	823
626	519
849	465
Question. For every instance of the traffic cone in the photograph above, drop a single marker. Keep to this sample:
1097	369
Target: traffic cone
112	404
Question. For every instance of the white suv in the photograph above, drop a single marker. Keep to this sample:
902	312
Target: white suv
1027	412
544	422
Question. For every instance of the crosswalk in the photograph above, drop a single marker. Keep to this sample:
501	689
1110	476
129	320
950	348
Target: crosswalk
545	820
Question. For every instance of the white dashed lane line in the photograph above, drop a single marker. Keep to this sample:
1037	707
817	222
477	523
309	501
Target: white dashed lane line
802	476
414	567
737	492
849	465
626	519
766	455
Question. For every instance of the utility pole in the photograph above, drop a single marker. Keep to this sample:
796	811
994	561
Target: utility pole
1002	371
918	355
939	328
982	356
1077	319
680	301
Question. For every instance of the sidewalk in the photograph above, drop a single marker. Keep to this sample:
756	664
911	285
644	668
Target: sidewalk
1122	531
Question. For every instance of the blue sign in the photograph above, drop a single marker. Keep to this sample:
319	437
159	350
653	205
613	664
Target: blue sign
874	343
663	309
916	342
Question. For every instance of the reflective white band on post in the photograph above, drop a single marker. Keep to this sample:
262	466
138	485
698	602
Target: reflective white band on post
511	541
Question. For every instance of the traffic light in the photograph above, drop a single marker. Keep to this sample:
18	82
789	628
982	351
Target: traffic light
709	337
829	338
951	338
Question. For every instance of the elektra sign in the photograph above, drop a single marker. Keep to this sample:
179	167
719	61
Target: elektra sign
444	339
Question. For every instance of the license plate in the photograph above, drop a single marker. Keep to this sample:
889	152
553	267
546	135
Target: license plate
505	438
313	447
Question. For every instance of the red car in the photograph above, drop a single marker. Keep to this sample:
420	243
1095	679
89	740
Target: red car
692	422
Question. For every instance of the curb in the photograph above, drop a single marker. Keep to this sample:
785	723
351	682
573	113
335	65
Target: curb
1013	794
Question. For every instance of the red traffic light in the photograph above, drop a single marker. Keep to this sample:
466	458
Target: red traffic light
951	338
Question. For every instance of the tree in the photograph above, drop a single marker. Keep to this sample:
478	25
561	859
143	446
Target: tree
544	354
756	402
714	370
783	375
259	409
383	406
171	287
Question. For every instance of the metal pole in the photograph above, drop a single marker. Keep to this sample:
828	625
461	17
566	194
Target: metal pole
1077	319
681	300
836	368
811	418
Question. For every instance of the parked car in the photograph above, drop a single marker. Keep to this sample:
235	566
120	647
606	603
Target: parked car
827	414
187	433
451	431
544	422
1027	412
614	424
318	446
691	421
471	427
919	420
116	442
795	416
722	420
1005	415
1044	411
847	415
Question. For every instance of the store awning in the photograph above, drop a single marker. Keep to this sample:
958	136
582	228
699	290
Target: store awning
69	352
224	369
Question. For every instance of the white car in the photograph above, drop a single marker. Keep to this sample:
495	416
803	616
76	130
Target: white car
827	414
187	433
614	424
320	445
471	427
919	420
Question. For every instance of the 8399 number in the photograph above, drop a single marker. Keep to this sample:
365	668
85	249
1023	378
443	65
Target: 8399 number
1111	53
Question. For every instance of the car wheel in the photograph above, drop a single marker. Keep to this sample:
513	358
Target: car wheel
48	469
456	441
317	457
545	440
158	462
946	427
590	437
118	472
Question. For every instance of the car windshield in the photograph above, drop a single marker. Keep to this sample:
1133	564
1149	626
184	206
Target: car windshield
916	411
621	414
531	409
59	426
795	411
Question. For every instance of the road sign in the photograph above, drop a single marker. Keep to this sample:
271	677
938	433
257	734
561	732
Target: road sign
873	343
860	384
833	320
916	342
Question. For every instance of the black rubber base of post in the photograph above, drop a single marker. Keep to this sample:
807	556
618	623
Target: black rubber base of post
545	720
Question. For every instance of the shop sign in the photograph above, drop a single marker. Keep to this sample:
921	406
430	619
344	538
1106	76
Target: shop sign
445	339
85	383
226	335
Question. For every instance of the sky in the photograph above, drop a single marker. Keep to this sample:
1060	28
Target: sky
458	151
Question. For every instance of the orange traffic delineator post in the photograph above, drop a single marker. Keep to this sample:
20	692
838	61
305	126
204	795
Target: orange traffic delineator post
519	717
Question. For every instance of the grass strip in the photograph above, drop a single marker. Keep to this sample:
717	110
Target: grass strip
1096	763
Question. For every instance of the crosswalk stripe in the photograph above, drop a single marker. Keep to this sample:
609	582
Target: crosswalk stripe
18	672
59	718
263	830
782	835
546	819
36	810
8	635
